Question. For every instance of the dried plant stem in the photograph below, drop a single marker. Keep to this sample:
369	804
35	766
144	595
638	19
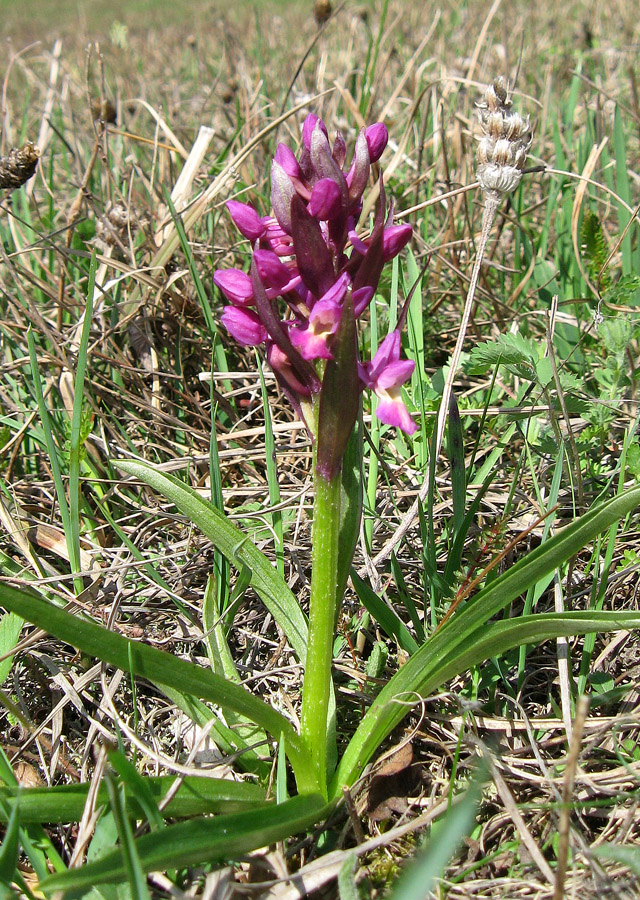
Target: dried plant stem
492	203
582	710
490	209
72	217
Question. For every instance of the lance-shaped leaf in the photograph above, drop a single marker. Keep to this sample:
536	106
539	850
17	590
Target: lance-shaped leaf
159	667
312	254
465	639
210	841
340	396
195	795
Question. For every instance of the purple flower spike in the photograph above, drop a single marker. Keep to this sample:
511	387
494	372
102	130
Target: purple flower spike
246	220
377	137
326	200
385	375
244	326
395	239
236	286
313	339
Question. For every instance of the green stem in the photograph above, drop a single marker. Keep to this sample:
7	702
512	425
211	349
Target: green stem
322	616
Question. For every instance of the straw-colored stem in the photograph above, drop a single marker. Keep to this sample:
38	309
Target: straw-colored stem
490	209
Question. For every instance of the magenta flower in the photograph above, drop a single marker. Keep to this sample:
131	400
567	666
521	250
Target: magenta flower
246	220
244	325
235	285
313	339
385	375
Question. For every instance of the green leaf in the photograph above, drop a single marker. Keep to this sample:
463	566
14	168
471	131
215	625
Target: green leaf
235	545
196	795
200	840
425	671
128	850
155	665
517	353
385	615
10	846
417	880
10	626
623	853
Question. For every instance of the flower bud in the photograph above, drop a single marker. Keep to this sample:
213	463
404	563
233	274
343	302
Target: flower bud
244	326
282	193
377	137
273	273
359	172
326	200
246	220
308	128
394	239
285	157
235	285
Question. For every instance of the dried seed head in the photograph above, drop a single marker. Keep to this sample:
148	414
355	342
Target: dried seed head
322	10
104	111
503	148
112	228
18	165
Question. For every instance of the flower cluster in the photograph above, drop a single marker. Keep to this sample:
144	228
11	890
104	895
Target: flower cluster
310	264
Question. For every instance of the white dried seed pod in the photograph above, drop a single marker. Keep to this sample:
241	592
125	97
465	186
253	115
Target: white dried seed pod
503	148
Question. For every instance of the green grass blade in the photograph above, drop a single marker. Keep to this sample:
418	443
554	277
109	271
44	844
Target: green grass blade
76	436
272	475
200	840
10	627
52	450
384	615
455	448
10	846
235	545
131	863
420	874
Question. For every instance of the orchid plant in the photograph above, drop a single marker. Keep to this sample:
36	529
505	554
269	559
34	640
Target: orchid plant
310	262
314	271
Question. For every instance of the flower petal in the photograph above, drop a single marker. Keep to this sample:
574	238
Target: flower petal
235	285
244	325
246	220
